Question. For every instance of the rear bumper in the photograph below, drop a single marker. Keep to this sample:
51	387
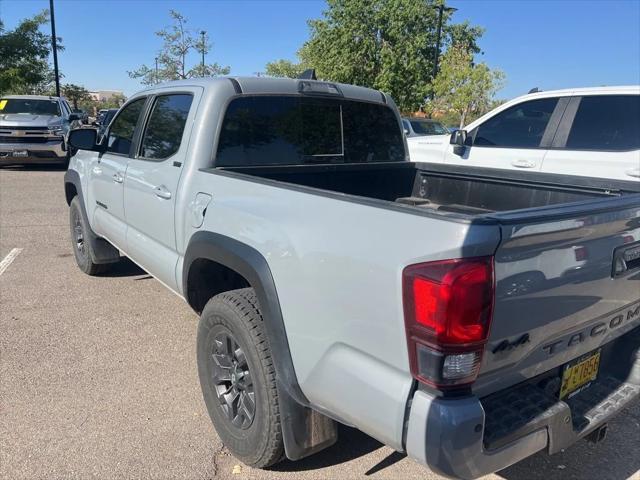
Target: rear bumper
36	152
470	437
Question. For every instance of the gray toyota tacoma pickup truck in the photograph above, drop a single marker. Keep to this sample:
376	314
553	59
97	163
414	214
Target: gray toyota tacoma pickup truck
467	317
34	129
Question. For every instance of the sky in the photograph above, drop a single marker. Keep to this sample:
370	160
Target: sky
547	44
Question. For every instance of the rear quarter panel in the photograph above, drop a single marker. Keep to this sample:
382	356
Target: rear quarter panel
337	268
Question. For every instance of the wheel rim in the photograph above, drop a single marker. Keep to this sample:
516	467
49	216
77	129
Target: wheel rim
78	235
232	381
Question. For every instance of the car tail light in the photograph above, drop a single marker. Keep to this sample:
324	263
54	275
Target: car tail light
447	308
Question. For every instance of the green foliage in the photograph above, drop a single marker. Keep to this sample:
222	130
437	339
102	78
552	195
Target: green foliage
75	93
383	44
389	45
464	87
115	101
284	68
464	35
24	57
177	43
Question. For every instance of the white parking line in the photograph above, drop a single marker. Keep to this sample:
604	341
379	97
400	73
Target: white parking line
6	261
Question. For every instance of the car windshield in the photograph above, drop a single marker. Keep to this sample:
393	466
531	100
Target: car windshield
423	127
29	106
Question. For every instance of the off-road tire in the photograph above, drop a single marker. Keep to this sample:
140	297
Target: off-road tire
82	249
237	314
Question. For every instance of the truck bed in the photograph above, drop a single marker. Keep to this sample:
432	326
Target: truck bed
445	189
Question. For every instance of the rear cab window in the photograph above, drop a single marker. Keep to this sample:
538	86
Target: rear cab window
291	130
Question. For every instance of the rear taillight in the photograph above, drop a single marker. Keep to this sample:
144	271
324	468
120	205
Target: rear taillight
447	309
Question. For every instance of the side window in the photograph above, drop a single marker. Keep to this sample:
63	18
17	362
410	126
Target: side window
520	126
606	122
406	126
123	128
165	127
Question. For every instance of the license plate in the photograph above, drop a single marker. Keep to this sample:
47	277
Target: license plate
20	153
579	374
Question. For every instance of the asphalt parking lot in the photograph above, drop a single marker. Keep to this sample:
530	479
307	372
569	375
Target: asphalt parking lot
98	376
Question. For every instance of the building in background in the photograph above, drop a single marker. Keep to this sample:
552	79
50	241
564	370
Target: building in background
106	95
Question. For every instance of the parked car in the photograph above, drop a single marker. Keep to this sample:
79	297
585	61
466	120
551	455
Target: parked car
590	131
100	116
105	120
420	127
338	282
34	129
84	116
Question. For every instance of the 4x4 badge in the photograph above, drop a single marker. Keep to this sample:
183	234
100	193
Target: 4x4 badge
507	345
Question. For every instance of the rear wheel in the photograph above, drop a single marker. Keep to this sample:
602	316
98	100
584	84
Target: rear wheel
82	248
238	378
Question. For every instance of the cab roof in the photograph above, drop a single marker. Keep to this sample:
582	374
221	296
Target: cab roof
31	97
274	86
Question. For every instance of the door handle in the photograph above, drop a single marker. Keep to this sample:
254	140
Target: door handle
523	164
117	177
162	192
97	170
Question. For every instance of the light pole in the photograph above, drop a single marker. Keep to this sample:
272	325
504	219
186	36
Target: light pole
54	47
203	33
156	70
441	9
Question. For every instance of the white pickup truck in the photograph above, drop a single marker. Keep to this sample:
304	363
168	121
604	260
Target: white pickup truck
593	132
338	282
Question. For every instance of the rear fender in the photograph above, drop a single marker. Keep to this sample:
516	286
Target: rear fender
304	430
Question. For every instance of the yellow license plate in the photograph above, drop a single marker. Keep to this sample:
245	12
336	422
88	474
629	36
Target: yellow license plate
579	374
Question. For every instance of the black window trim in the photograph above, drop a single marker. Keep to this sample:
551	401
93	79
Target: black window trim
223	113
147	116
545	134
136	131
564	130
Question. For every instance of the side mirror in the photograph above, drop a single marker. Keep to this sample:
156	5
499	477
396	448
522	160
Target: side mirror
85	139
459	137
73	117
406	131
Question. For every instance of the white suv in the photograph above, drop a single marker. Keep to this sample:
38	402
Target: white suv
589	131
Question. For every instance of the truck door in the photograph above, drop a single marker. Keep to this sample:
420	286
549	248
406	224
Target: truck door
151	185
514	138
599	137
106	175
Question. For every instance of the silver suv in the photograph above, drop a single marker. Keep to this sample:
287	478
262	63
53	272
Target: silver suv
34	129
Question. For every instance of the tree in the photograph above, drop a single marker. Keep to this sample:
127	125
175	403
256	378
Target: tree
284	68
115	101
24	56
178	43
462	86
75	93
464	35
384	44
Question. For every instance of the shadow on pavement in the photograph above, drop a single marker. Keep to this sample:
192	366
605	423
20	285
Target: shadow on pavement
611	459
351	444
35	167
125	268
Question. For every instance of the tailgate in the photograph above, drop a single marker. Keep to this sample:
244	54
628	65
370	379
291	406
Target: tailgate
567	282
